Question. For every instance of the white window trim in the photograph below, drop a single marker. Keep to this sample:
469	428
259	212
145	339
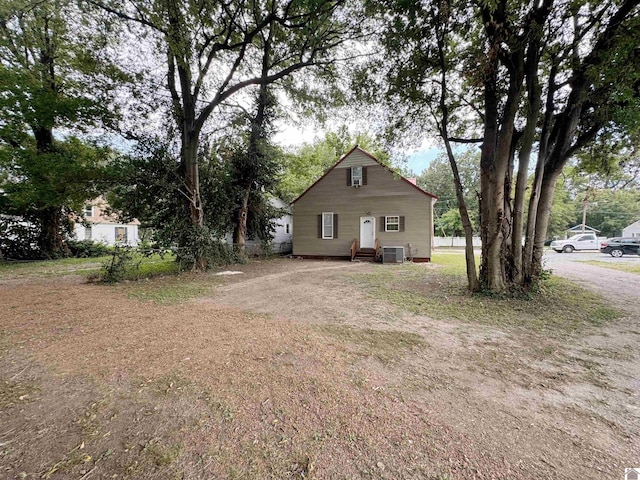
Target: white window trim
323	225
126	234
386	223
88	207
356	177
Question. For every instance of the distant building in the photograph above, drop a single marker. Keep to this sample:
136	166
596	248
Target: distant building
632	230
101	227
579	229
281	242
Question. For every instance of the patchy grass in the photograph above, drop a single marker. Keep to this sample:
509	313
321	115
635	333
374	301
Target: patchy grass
15	393
149	267
560	308
161	455
168	290
385	345
452	263
624	267
63	266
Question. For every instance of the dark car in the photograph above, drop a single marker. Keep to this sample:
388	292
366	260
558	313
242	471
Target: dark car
616	247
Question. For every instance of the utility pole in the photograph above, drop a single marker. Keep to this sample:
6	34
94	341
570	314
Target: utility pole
585	202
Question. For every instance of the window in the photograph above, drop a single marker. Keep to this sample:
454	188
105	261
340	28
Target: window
356	176
87	233
392	223
121	234
88	211
286	228
327	225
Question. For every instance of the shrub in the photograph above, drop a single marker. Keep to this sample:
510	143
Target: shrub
198	242
88	249
119	265
19	240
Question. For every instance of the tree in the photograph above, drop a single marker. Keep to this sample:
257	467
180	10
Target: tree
55	81
212	52
601	182
526	84
449	223
438	179
563	211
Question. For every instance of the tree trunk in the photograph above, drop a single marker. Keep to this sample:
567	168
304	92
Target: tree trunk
492	192
192	179
470	259
189	157
255	149
50	240
545	202
240	234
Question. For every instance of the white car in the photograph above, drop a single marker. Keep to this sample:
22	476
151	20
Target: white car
582	241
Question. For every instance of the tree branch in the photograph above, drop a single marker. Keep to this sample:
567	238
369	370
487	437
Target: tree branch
465	140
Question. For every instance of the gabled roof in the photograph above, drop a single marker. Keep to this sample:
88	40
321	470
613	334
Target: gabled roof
578	228
372	158
637	222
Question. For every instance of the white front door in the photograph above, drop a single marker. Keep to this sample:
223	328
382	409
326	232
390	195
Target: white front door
367	232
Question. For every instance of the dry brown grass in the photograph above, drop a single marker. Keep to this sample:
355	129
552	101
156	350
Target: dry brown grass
137	388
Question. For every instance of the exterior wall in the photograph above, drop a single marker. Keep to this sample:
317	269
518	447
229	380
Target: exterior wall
632	230
383	195
106	233
282	240
103	226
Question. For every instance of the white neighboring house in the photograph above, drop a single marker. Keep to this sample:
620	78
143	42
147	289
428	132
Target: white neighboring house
104	228
283	235
632	230
284	228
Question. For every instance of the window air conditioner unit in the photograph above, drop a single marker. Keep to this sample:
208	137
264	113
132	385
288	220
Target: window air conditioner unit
356	182
392	254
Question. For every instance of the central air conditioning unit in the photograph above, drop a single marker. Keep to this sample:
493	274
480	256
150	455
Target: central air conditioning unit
392	254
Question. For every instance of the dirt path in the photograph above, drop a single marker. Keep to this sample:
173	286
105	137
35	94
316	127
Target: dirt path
293	370
535	413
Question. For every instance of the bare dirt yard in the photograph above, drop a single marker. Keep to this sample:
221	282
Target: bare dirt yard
310	369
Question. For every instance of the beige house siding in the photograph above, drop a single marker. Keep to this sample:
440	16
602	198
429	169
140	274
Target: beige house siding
384	195
100	207
358	158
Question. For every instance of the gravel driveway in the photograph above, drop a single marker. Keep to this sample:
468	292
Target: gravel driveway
610	283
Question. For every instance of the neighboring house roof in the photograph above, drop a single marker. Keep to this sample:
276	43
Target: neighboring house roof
99	217
578	228
409	182
277	202
634	224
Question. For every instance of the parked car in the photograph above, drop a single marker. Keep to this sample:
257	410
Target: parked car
618	246
582	241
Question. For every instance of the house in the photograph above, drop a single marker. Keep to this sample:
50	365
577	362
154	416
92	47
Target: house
632	230
580	229
283	235
360	206
104	228
281	242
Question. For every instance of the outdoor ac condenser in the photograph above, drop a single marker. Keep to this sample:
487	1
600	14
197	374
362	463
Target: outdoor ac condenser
392	254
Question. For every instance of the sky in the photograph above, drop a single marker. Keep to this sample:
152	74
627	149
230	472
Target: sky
420	159
291	136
